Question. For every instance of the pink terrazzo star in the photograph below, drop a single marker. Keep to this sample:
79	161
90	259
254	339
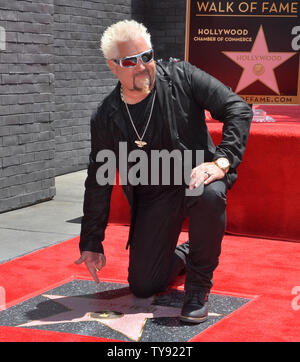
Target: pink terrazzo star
259	63
134	313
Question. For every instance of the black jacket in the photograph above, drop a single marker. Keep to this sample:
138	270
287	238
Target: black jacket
184	92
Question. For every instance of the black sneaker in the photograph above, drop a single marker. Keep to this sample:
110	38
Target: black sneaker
195	307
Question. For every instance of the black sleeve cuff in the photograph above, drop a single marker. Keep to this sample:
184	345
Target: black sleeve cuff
91	245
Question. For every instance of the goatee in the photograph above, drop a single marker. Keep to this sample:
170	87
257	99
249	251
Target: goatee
144	84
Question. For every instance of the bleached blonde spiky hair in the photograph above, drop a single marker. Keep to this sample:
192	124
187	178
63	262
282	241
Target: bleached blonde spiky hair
120	32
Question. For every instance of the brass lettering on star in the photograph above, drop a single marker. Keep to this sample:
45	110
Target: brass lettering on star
106	315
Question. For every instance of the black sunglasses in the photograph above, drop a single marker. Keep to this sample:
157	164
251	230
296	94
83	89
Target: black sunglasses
130	62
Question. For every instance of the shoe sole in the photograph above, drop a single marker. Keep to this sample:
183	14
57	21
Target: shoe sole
193	320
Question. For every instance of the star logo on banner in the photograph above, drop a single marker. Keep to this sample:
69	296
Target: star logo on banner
259	63
126	314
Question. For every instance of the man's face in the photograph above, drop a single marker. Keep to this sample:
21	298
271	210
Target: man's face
139	78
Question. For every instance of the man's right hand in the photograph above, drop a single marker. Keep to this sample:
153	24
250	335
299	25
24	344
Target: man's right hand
93	261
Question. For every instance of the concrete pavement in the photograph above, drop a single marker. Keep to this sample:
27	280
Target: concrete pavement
35	227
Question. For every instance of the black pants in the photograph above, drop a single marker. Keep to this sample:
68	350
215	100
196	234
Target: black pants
157	227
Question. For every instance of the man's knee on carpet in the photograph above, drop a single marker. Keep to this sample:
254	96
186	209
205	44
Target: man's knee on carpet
212	200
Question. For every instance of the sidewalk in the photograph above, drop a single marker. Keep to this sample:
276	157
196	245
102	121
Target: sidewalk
35	227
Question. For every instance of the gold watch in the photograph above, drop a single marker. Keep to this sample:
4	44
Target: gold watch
223	164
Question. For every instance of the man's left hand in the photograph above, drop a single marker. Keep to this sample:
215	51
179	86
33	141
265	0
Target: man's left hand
205	173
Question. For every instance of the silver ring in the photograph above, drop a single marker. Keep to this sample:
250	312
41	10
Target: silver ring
207	173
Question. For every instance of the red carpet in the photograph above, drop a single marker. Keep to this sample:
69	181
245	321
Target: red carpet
267	271
260	258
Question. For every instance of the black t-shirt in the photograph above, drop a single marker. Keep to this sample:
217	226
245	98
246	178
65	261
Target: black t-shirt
157	137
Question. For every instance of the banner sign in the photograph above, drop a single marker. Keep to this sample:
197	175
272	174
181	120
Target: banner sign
251	46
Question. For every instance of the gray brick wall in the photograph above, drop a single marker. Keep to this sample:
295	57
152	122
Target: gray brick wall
53	75
27	143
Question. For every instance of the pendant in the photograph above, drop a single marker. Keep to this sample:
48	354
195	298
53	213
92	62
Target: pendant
140	144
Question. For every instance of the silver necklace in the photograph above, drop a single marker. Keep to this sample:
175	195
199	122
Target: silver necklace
140	143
